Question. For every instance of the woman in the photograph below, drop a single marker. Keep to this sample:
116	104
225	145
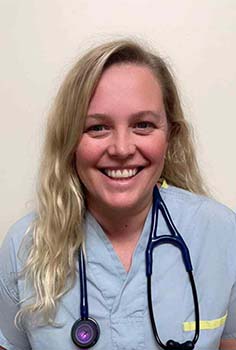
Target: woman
116	131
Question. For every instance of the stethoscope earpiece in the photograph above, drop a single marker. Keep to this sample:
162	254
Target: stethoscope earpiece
85	333
173	345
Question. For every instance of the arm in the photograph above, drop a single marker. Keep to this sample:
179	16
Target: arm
228	340
10	337
228	344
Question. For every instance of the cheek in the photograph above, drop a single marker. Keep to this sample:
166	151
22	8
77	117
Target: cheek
82	166
81	158
86	156
157	150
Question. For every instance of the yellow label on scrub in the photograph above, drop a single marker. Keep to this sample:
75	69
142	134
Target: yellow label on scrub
164	184
209	324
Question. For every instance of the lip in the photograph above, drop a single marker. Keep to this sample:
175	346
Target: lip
121	182
106	170
120	167
116	174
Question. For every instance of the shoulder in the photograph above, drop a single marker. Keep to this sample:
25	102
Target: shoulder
191	203
201	216
208	227
13	239
17	231
12	288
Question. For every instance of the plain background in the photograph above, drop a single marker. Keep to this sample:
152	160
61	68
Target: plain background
40	40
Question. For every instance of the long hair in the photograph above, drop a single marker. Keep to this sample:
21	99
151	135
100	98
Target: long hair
57	230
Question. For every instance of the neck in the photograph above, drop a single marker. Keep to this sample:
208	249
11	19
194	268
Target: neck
121	226
123	231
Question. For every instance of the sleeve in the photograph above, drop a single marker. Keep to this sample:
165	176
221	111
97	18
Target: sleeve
4	343
230	324
11	337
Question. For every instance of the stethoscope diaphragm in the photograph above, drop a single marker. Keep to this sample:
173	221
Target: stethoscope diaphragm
85	333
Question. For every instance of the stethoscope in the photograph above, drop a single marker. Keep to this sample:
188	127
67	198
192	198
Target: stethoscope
85	331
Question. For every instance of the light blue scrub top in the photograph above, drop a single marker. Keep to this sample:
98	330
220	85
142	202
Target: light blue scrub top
118	300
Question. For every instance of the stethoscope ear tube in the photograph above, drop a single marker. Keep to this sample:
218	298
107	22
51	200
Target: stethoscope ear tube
171	344
165	239
175	239
196	307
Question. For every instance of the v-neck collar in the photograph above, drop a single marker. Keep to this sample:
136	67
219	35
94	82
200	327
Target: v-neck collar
104	266
104	269
99	248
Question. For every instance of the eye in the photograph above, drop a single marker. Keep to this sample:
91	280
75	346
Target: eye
97	129
144	127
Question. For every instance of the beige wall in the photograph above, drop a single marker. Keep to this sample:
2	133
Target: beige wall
40	40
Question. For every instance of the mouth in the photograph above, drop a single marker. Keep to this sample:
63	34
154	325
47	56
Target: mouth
119	174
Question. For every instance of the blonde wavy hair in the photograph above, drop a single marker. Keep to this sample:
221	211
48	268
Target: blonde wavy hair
57	231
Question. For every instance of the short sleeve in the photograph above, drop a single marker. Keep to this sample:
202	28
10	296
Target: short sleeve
10	336
5	343
230	324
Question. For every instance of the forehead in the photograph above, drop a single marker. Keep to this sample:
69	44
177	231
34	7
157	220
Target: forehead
127	86
130	73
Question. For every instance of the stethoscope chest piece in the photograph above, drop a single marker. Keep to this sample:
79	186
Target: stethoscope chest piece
85	333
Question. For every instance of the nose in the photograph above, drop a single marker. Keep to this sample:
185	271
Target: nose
122	146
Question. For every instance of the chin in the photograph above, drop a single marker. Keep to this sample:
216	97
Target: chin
126	205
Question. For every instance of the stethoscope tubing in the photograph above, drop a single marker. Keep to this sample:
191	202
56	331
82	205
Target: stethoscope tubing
85	331
84	313
175	239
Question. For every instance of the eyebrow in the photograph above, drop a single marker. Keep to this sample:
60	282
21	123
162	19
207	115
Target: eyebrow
133	115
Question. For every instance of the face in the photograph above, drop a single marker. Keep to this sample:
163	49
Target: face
120	156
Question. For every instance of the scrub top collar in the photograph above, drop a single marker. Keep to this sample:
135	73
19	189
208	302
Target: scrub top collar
99	249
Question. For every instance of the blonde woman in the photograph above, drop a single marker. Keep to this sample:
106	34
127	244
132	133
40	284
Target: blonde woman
119	165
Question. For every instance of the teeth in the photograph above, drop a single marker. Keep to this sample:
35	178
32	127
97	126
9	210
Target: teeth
121	174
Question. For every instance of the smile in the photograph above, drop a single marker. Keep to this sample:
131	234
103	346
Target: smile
121	173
